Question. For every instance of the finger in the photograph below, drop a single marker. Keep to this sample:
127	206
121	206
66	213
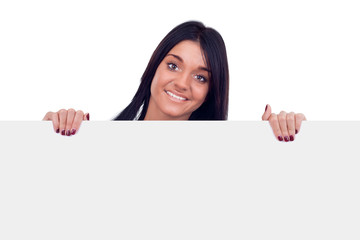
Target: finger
62	120
267	113
77	122
299	117
55	120
86	117
283	125
48	116
69	121
274	123
53	116
290	120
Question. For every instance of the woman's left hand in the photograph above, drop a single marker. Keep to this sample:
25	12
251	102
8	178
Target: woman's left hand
284	125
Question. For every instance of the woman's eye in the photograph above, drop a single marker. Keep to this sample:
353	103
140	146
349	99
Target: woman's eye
200	78
172	66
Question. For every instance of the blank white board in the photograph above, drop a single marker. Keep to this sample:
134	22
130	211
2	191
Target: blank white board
179	180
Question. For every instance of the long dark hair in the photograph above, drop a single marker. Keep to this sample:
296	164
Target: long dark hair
215	106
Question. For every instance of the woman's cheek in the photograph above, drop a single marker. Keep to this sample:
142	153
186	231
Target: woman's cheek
200	92
161	80
155	84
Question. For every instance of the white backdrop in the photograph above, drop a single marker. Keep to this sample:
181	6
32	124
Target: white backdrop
300	56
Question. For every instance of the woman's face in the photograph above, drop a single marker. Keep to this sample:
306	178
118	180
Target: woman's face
180	84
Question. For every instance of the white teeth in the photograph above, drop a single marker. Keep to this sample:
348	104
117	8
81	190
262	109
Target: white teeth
177	97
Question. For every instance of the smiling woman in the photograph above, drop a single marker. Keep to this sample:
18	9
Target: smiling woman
187	78
180	84
191	63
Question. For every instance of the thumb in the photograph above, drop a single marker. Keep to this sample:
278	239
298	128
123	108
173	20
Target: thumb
86	117
267	113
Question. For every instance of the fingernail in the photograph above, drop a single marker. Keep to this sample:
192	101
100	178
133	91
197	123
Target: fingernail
88	116
73	131
266	107
280	138
57	130
63	132
291	138
296	131
286	138
68	133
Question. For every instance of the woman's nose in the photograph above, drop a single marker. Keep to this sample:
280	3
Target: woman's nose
183	82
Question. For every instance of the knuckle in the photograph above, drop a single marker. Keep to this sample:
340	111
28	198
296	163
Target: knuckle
291	130
300	115
77	121
53	115
80	112
273	118
62	111
282	118
276	129
290	117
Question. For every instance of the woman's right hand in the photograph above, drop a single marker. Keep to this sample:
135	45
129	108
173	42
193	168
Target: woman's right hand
66	122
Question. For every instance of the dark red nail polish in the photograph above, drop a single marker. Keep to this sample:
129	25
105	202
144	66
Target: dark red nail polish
63	132
57	130
286	138
296	131
88	116
266	107
291	138
73	131
68	133
280	138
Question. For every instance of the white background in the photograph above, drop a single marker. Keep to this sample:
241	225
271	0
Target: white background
300	56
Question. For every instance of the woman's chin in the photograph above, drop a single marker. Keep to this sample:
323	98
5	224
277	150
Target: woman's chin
176	114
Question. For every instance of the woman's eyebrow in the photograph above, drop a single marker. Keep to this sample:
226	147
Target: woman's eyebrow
181	60
205	69
176	56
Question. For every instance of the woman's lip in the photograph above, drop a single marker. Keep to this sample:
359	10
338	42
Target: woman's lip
174	96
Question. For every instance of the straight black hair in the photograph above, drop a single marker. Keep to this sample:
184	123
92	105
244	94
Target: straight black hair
215	107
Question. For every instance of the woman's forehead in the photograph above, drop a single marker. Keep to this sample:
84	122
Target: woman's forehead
189	52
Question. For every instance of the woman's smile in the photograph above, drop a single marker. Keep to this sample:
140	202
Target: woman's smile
176	98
